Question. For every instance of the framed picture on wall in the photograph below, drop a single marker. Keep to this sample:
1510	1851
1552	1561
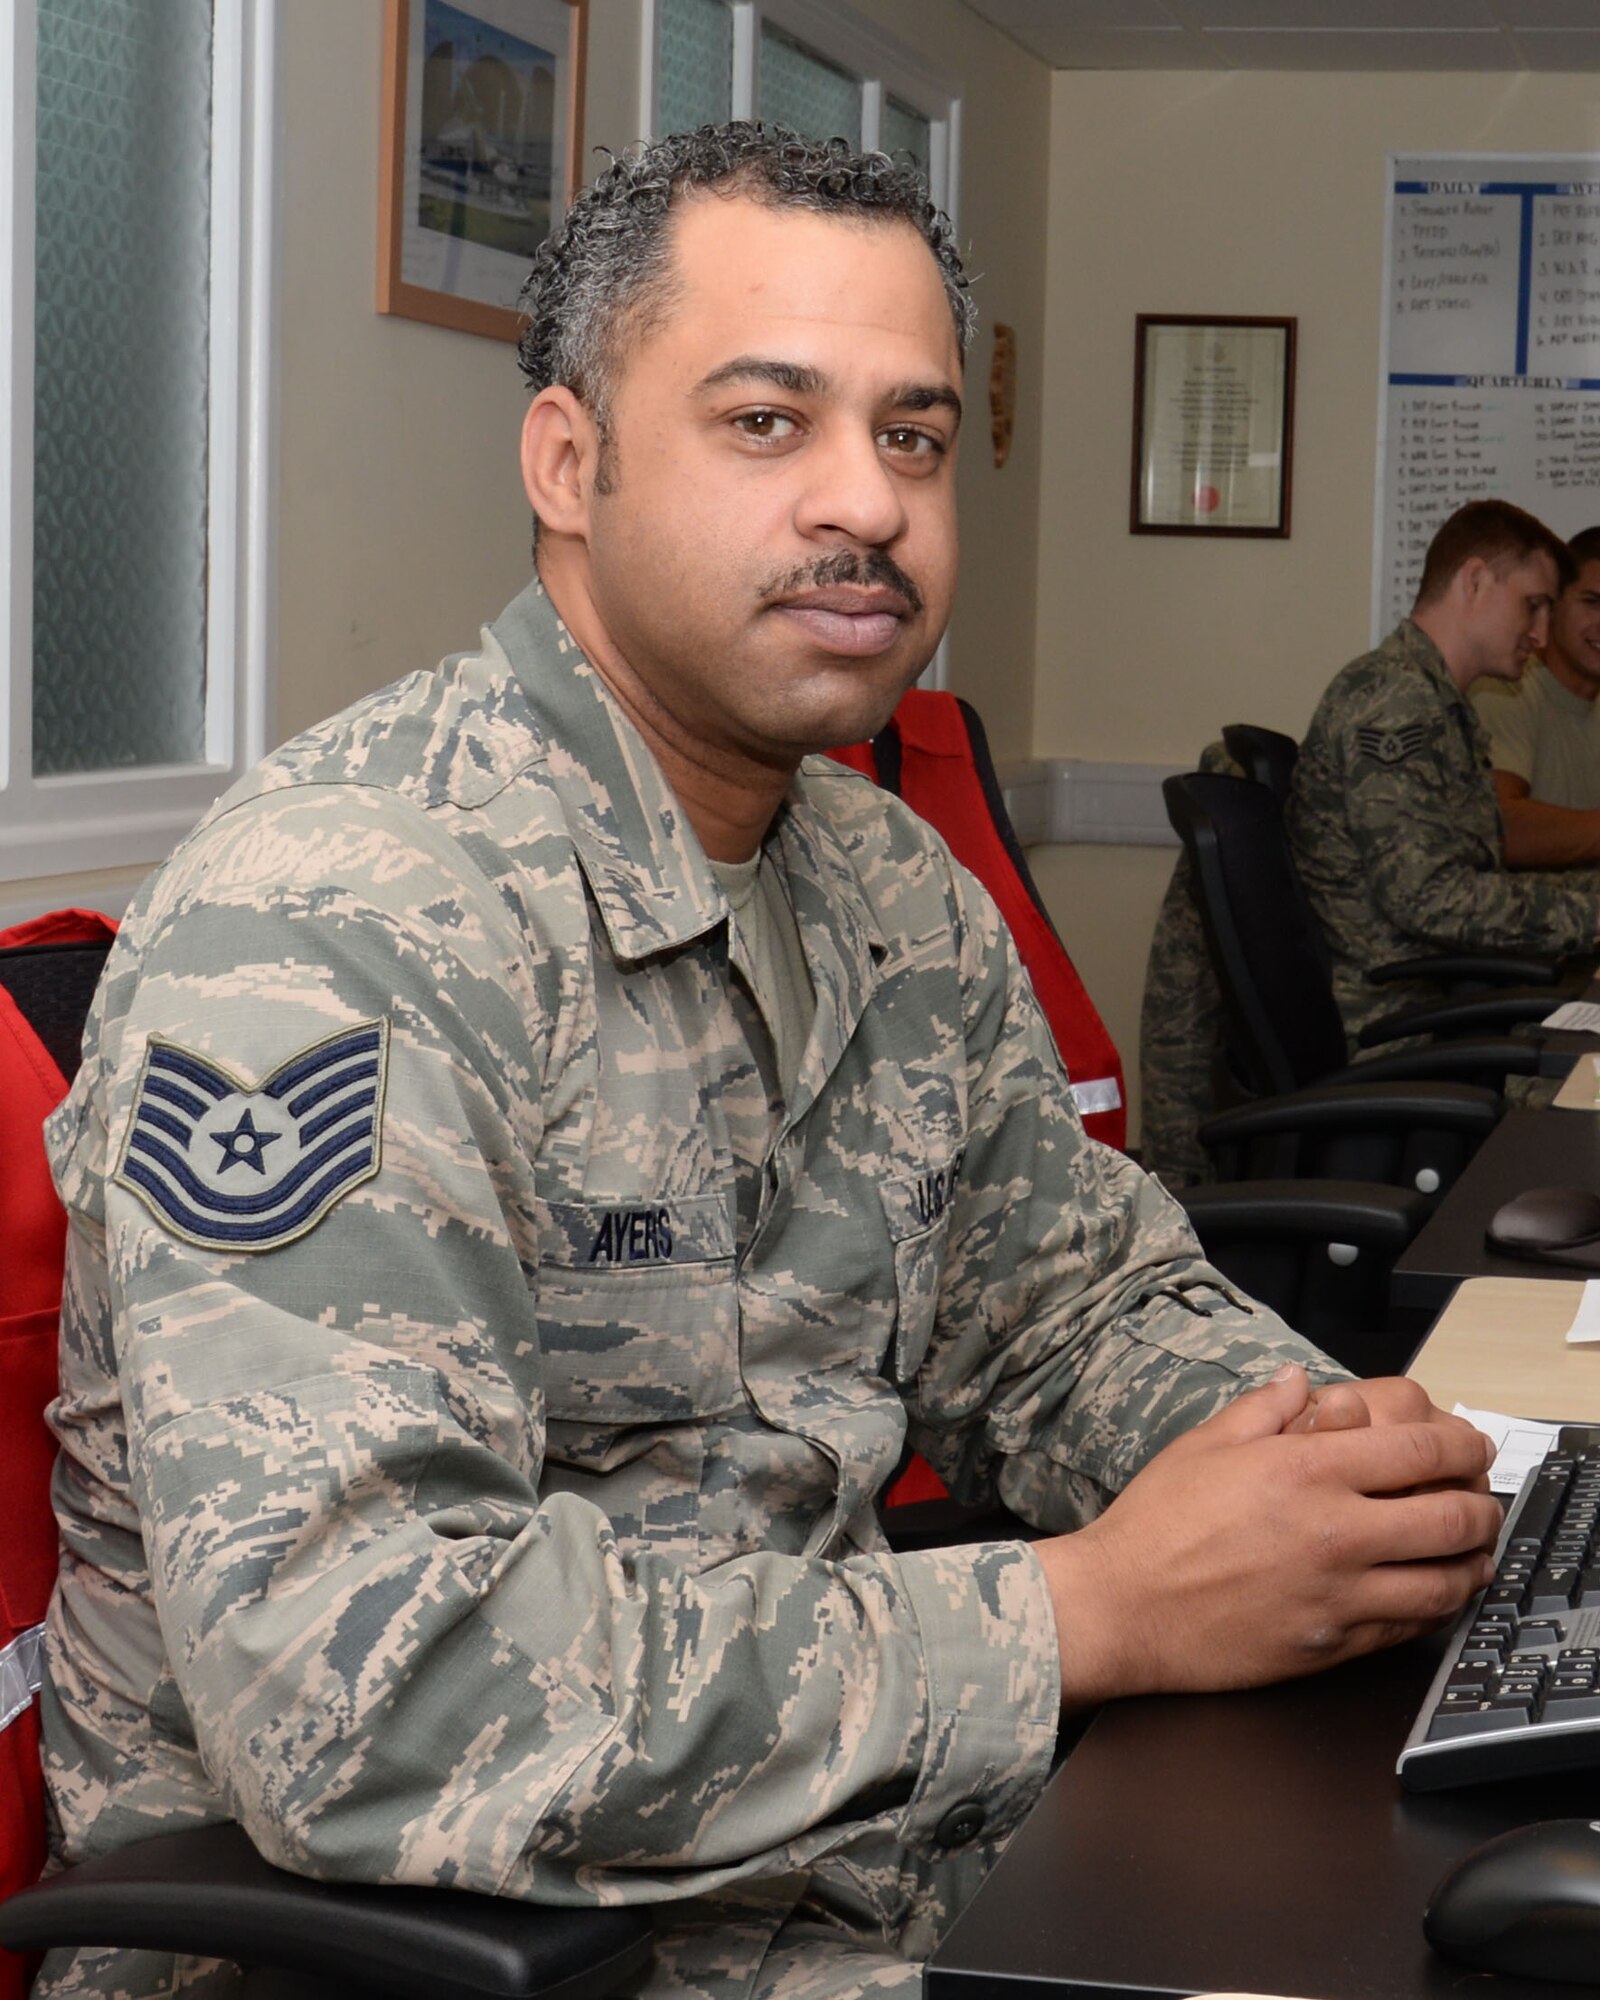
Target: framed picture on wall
482	137
1213	425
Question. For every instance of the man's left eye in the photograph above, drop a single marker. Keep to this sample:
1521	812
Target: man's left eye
905	438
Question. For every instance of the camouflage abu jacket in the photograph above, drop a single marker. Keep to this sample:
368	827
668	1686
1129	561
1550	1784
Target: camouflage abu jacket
445	1498
1397	834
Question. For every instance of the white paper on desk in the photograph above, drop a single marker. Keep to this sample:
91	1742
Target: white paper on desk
1520	1444
1583	1016
1585	1325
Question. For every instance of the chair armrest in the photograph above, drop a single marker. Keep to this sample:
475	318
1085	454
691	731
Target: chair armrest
206	1891
1381	1219
1440	1062
1360	1107
1491	968
1477	1014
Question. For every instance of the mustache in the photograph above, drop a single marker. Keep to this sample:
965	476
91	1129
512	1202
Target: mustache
846	566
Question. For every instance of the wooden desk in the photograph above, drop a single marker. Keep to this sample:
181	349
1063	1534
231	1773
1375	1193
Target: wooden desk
1501	1344
1581	1091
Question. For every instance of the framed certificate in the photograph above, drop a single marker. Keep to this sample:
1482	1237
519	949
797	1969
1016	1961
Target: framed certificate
1213	425
482	110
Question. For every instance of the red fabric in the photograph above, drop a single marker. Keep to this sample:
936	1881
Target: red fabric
33	1234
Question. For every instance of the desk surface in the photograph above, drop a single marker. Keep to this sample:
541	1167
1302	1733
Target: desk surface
1501	1344
1526	1149
1258	1842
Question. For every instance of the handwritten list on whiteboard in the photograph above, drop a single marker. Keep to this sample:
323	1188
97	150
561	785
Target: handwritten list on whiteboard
1491	371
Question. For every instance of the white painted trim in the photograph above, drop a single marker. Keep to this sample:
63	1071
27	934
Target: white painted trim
107	819
746	94
111	899
17	93
21	1672
649	67
1071	802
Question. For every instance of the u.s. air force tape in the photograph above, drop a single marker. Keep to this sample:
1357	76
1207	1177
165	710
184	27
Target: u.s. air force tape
238	1166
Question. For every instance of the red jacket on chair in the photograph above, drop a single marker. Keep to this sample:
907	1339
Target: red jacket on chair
33	1230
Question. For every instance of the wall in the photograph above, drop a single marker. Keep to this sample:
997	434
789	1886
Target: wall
402	524
1226	194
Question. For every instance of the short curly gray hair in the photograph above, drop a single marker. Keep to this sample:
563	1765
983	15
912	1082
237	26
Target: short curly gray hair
604	275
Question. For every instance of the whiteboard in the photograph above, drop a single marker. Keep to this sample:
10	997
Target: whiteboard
1491	351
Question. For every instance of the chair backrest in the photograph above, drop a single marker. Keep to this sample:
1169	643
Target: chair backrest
1283	1028
1265	755
48	972
934	754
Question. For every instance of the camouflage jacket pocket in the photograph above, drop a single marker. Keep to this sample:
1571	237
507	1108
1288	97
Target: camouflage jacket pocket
917	1209
638	1310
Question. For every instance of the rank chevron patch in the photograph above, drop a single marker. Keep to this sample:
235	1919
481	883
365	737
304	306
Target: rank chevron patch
1391	746
234	1166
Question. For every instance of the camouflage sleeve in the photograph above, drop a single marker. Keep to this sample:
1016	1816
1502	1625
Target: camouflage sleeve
401	1660
1079	1329
1405	819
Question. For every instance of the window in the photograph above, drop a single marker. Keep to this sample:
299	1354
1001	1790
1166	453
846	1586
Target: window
811	64
135	269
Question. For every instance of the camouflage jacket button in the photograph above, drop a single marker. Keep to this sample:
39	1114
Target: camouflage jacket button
960	1824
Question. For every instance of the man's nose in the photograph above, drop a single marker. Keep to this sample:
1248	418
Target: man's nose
1541	628
852	492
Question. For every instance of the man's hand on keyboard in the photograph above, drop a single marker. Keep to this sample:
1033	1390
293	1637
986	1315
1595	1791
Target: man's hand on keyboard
1252	1550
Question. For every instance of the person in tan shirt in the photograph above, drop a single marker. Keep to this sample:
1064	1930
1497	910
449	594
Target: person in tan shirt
1544	731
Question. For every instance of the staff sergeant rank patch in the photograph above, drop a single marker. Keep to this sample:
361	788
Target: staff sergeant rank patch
232	1166
1391	746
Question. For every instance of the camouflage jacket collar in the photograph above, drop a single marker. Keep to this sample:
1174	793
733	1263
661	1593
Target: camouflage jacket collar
640	856
1416	650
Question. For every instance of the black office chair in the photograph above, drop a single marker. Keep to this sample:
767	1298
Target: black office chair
1265	755
1282	1029
1319	1253
207	1892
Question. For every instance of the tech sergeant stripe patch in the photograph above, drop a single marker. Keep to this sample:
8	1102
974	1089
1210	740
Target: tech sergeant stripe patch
234	1166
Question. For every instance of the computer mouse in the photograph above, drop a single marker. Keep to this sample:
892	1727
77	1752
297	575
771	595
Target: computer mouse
1549	1218
1527	1902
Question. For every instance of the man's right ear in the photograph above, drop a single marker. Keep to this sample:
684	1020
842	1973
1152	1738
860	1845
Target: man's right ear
560	454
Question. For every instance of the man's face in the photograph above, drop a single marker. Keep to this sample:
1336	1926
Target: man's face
1573	651
776	551
1510	614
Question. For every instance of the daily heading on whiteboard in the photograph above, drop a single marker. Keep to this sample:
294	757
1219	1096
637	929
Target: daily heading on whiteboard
1491	364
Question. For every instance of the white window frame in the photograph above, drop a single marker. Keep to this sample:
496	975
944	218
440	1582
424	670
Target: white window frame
883	64
105	819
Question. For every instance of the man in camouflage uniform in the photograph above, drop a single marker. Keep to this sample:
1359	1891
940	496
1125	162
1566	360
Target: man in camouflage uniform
1392	814
546	1143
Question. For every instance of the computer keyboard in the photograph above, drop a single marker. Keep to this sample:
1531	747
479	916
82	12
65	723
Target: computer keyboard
1519	1690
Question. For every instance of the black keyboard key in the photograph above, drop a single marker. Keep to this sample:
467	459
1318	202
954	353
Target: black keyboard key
1465	1718
1552	1588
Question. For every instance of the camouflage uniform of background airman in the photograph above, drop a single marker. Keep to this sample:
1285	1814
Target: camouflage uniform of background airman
510	1523
1398	837
1180	1027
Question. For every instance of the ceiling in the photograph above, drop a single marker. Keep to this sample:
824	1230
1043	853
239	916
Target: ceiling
1304	34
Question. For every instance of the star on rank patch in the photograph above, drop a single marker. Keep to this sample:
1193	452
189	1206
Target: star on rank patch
236	1166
